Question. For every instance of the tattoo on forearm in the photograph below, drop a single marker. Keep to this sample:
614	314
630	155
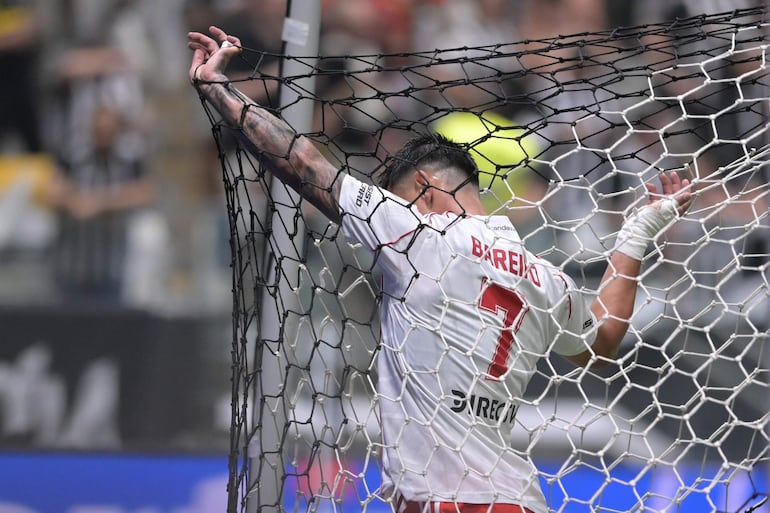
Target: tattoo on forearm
291	157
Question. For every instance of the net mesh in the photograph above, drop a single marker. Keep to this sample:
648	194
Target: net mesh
565	132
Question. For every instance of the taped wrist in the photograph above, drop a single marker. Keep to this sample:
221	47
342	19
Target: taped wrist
643	226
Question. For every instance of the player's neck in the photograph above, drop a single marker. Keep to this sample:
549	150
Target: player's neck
469	204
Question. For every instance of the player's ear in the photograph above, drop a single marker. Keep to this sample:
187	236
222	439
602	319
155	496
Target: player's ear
423	186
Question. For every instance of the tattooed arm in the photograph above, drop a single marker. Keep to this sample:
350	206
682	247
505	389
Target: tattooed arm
292	158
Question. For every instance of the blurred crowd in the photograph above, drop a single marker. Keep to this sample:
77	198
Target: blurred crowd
111	184
111	187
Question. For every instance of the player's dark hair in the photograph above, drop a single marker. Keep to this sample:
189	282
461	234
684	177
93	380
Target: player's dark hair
429	150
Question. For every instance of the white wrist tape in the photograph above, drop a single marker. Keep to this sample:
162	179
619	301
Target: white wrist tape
643	225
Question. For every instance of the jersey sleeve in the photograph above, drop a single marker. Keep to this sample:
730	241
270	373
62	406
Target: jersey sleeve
373	216
577	322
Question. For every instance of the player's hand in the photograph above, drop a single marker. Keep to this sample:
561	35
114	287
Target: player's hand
211	54
673	187
646	223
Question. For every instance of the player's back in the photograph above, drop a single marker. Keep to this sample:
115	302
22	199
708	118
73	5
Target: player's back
467	312
473	287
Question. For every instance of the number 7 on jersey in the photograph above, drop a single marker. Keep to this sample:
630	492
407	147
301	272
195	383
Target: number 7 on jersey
496	298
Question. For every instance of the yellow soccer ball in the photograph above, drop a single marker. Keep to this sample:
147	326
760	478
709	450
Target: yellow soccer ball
499	149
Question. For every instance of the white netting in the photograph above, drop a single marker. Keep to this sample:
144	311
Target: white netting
568	131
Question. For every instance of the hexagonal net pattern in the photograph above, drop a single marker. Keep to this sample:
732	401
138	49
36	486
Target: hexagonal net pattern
331	412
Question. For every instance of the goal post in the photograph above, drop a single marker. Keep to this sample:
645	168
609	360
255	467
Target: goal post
565	132
282	260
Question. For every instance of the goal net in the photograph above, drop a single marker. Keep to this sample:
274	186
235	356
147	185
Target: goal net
565	132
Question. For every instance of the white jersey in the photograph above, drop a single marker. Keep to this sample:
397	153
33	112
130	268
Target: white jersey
466	313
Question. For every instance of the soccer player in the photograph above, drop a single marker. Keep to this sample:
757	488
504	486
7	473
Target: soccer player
466	311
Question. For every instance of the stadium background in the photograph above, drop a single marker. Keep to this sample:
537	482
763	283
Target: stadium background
114	390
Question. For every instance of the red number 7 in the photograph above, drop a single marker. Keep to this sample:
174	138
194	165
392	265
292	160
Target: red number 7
495	298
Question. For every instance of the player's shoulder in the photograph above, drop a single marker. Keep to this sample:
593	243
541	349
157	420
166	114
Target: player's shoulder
357	196
490	227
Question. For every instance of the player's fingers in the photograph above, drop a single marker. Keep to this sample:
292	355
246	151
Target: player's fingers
225	40
684	206
220	35
684	196
665	183
676	182
228	45
199	57
652	191
197	47
203	41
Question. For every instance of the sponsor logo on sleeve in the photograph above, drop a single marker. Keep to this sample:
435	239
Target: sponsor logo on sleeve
364	195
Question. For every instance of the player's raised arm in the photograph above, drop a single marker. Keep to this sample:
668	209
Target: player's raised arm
614	305
292	158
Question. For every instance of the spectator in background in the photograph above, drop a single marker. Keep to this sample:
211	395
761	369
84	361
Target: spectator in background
384	26
447	24
380	33
94	194
539	19
20	45
87	68
654	11
23	164
97	133
723	95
